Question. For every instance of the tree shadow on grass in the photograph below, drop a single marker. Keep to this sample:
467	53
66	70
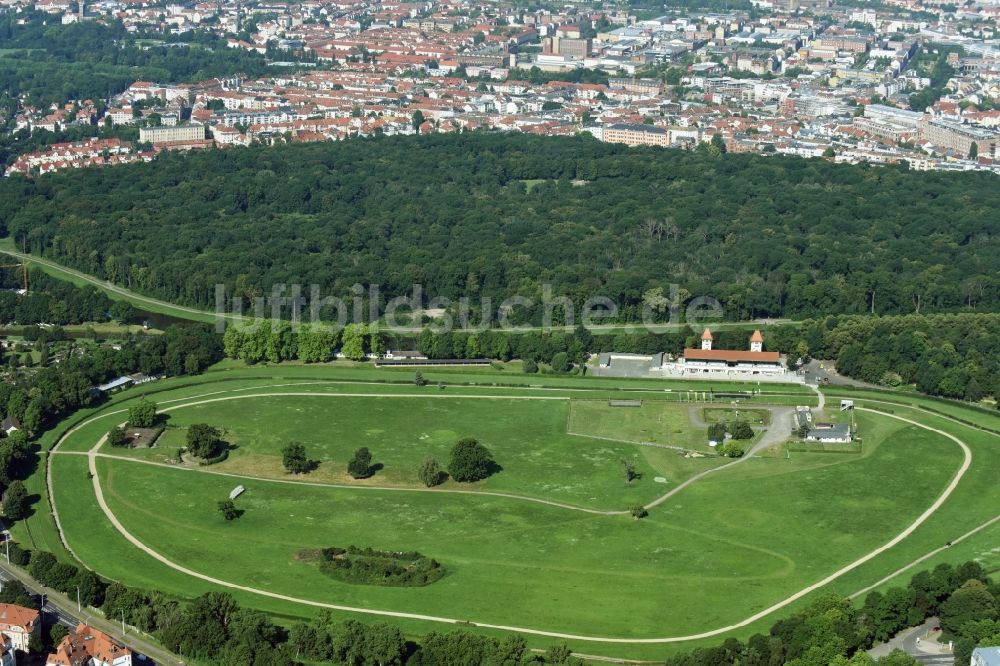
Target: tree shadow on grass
34	502
370	472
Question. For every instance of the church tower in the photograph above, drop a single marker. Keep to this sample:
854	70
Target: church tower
706	339
756	341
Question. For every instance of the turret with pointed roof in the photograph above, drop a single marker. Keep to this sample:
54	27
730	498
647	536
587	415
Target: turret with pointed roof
706	339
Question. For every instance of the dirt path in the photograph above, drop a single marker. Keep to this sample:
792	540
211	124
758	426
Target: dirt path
771	436
93	454
926	556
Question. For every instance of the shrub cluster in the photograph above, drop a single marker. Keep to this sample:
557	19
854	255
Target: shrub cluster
378	567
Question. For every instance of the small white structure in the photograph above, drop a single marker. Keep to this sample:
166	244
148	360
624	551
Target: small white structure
10	425
236	492
114	385
404	355
830	433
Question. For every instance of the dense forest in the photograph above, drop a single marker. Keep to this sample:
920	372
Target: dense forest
950	355
59	63
52	301
484	215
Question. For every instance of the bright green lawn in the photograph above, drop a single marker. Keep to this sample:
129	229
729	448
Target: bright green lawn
729	545
527	437
728	414
659	422
839	505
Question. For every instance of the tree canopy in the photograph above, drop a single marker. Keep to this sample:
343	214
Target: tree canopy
203	440
766	236
470	461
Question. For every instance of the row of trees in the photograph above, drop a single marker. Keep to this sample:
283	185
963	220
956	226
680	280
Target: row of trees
352	642
275	341
765	236
278	341
470	461
950	355
831	631
213	627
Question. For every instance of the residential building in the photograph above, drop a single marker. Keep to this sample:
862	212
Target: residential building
635	135
89	647
18	624
8	657
948	135
157	135
648	87
10	425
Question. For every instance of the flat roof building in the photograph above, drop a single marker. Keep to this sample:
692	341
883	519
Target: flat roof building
155	135
635	135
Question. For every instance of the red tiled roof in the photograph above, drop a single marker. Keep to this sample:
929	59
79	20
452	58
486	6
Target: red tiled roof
730	355
18	616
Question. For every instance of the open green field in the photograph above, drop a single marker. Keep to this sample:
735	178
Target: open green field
528	438
660	422
731	544
755	417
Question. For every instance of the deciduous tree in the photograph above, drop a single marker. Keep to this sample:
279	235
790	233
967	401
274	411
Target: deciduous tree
142	414
470	461
430	473
294	458
360	465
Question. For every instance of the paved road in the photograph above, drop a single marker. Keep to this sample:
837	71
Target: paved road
112	288
63	609
913	642
820	370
